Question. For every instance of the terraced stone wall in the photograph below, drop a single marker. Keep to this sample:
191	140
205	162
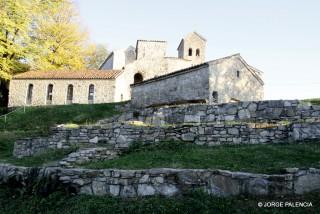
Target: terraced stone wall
123	135
166	182
259	111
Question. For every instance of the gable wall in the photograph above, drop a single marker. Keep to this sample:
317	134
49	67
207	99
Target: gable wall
224	80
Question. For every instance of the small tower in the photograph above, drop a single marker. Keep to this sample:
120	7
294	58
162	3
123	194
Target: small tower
193	47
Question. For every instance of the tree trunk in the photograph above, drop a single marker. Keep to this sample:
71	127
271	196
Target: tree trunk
4	92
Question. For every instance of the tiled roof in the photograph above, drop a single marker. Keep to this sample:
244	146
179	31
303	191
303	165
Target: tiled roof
83	74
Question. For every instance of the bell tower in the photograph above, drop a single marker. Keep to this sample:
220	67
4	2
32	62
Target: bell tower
192	47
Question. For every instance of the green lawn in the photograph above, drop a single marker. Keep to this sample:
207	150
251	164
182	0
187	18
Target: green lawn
193	202
248	158
42	118
36	121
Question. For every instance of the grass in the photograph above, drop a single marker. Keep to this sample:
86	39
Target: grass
248	158
50	156
42	118
314	101
36	121
192	202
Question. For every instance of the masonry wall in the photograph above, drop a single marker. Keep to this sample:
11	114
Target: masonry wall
223	79
104	91
259	111
151	49
188	86
164	182
148	68
123	135
245	123
220	76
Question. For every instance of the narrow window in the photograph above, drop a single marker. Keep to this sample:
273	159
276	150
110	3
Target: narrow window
238	74
214	97
29	94
49	94
91	94
190	51
121	97
198	52
70	94
137	78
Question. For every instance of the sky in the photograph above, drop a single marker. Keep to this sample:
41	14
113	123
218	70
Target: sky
279	37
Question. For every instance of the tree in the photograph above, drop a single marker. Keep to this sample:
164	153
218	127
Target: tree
14	41
14	38
42	35
96	56
63	45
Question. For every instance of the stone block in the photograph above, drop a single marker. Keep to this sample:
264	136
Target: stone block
188	137
128	191
99	188
167	189
114	190
307	183
145	190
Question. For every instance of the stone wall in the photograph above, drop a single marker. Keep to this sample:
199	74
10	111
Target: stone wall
233	79
151	49
193	84
122	135
149	68
259	111
200	82
165	182
103	91
89	154
308	131
233	123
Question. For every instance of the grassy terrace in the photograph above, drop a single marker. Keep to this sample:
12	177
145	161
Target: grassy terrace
35	121
248	158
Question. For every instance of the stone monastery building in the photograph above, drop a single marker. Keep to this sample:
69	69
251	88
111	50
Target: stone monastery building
147	76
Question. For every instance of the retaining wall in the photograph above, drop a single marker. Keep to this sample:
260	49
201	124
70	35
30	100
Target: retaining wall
121	135
166	182
259	111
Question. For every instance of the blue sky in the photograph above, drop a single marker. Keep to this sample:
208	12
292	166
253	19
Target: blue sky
281	38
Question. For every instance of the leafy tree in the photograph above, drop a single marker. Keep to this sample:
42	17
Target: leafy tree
14	39
61	43
96	56
42	35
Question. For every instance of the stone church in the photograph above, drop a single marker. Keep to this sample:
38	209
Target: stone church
147	76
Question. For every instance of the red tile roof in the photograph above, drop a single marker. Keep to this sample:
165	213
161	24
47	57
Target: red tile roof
83	74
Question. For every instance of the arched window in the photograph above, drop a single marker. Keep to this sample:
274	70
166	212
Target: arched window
190	51
198	52
91	94
121	97
29	94
238	74
70	94
137	78
214	97
49	94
